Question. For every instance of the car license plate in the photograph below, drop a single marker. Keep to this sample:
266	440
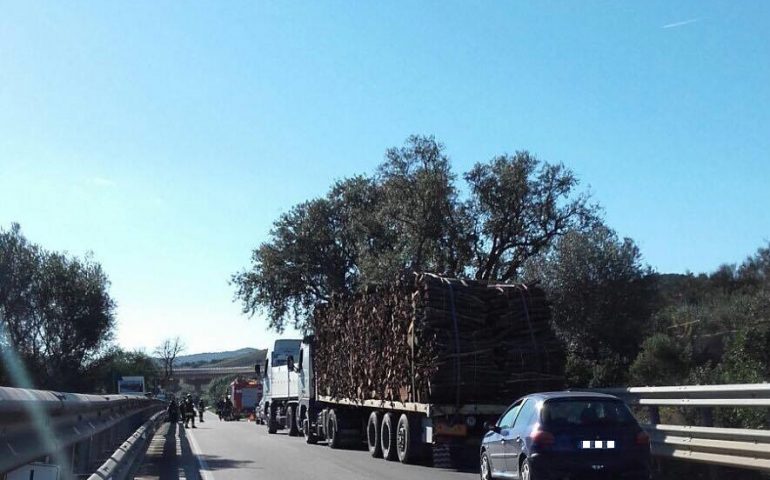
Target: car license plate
597	444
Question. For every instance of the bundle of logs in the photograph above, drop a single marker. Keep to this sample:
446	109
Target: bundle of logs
432	339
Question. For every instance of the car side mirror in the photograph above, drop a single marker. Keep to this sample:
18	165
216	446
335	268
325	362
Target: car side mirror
491	427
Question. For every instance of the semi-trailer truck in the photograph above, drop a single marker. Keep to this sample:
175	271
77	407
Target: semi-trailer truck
405	431
412	371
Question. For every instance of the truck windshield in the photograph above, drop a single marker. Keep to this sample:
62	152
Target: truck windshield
281	351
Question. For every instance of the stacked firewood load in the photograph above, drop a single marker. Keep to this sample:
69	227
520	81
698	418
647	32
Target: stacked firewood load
432	339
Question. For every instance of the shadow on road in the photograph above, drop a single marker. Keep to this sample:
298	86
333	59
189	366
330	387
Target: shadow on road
215	462
161	460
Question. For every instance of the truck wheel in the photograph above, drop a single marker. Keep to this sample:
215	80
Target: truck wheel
301	414
406	439
388	437
291	421
272	422
373	439
310	436
333	431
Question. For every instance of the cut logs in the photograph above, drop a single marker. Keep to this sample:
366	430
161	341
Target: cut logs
438	340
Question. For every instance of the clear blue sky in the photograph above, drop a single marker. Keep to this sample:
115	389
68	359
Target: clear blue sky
166	136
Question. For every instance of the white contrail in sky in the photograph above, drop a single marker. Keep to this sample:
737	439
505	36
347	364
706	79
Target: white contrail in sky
680	24
101	182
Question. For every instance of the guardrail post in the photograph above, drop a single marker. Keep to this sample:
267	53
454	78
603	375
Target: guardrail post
708	417
654	415
97	447
81	457
708	421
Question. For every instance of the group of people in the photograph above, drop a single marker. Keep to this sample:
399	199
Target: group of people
186	411
225	408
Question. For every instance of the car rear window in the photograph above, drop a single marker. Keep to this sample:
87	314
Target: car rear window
568	412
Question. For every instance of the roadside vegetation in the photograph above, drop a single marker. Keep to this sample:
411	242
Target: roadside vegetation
513	218
517	218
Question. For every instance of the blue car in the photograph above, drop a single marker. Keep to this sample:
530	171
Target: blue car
566	435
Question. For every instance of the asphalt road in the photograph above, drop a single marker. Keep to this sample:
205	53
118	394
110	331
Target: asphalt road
243	450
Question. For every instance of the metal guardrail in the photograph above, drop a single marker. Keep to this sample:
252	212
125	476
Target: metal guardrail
124	462
735	447
719	446
79	428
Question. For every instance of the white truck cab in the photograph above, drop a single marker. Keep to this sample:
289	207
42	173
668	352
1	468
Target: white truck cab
281	384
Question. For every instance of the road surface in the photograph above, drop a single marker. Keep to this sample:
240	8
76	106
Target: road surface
245	451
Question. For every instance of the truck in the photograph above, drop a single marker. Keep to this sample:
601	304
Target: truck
280	384
395	430
377	369
245	395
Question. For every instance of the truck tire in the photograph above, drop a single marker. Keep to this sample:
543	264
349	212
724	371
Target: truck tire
301	412
272	422
388	436
291	421
333	436
373	440
407	436
310	436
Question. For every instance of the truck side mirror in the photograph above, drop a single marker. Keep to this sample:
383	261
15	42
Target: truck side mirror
257	370
301	355
290	362
267	366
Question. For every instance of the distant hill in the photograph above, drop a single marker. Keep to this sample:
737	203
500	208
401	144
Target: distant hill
211	358
246	360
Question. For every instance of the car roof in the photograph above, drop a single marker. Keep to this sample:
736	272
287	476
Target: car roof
571	394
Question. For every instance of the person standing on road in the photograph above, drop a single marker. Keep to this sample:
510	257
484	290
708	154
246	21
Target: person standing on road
221	408
188	407
173	411
228	408
201	408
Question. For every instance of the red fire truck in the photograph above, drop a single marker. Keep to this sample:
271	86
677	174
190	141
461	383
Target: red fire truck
245	395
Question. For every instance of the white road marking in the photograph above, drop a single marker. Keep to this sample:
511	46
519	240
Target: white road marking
202	465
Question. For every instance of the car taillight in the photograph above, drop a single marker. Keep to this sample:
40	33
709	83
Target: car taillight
642	439
541	438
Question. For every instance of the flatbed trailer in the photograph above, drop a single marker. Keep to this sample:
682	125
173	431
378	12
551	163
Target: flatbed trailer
444	435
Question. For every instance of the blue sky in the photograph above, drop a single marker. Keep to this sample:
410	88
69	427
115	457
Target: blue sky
166	136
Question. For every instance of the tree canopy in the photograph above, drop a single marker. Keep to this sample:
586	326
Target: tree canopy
411	214
603	298
56	314
166	353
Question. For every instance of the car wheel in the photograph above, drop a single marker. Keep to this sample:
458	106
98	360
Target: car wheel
485	469
525	471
